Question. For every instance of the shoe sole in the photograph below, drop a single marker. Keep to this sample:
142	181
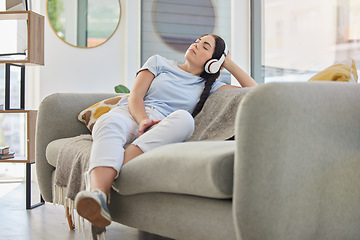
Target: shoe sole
90	209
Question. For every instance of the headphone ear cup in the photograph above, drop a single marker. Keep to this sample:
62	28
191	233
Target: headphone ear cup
212	66
215	67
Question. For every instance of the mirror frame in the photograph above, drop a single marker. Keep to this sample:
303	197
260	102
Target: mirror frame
72	45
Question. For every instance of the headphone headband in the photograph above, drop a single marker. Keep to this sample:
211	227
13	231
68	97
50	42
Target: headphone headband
212	66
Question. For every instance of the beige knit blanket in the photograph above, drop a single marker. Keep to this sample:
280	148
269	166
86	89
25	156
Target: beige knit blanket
216	120
72	163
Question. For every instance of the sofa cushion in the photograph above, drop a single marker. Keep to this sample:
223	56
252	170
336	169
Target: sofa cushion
202	168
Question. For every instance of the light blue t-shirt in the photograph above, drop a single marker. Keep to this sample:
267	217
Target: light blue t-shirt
172	88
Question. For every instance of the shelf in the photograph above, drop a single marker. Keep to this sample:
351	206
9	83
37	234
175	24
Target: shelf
28	138
17	159
34	36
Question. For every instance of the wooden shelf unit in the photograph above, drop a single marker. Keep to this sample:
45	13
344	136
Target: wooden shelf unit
35	36
30	137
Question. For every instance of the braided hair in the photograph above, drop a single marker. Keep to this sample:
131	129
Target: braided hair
210	78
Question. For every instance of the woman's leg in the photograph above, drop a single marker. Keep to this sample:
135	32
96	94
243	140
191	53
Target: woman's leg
177	127
131	152
111	133
108	142
102	178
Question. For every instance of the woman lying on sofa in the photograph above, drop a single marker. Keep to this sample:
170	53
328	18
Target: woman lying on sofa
156	113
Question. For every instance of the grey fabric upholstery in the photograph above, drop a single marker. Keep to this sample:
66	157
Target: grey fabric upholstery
195	168
177	216
297	162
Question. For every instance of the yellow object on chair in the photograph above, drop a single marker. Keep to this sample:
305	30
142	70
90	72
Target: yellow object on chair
338	72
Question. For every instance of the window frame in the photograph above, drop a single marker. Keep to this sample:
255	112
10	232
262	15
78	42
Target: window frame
256	40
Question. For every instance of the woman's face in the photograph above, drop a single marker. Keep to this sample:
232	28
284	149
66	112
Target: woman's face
201	51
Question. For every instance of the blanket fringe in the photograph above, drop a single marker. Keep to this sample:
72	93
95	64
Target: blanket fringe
69	203
58	195
58	199
83	226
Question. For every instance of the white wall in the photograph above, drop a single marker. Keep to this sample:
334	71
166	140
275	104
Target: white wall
71	69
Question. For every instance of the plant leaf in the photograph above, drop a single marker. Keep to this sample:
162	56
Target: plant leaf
121	89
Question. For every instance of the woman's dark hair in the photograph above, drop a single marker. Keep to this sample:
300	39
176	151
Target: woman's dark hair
210	78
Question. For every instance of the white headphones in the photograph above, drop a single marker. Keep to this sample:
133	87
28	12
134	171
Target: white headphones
212	66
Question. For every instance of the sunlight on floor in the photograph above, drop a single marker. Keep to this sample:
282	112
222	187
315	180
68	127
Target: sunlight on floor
7	187
11	176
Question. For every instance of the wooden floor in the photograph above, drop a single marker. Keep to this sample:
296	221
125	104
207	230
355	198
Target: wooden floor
48	221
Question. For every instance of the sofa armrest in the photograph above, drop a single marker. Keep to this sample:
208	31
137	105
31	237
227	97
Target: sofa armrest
57	118
297	162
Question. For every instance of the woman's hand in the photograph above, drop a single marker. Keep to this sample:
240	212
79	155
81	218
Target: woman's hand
243	78
228	62
146	125
227	59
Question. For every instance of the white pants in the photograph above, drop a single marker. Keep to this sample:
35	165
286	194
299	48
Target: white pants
117	129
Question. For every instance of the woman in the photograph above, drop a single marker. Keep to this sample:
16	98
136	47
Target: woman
161	100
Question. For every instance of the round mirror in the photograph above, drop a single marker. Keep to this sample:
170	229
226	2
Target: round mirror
84	23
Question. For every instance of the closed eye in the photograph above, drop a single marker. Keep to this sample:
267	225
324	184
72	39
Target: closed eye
204	44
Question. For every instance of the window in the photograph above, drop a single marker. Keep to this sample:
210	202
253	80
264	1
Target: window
301	38
12	127
15	81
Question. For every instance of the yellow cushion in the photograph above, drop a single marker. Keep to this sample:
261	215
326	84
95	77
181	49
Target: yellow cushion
92	113
338	72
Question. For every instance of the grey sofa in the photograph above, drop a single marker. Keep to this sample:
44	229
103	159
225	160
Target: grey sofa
292	172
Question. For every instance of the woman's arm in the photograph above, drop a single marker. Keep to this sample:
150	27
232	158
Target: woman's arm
136	100
242	77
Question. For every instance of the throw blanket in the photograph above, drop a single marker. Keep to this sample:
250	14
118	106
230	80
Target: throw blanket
215	122
72	163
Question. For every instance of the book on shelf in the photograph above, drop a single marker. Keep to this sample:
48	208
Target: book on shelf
4	150
8	155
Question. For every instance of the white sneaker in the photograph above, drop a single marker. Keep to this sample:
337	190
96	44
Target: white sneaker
92	206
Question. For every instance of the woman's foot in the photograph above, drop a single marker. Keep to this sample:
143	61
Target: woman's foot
93	207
